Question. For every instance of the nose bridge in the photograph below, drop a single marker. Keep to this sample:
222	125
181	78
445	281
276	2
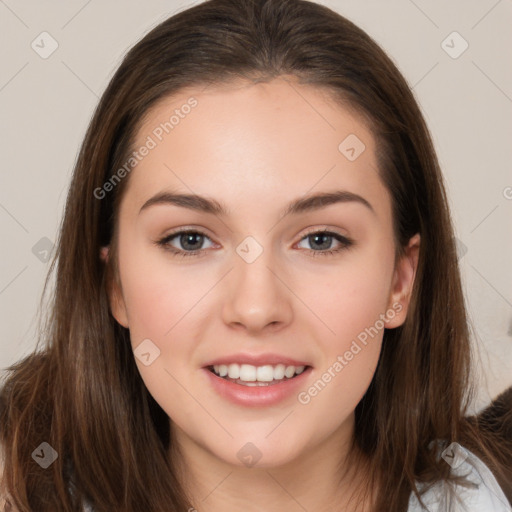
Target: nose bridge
257	296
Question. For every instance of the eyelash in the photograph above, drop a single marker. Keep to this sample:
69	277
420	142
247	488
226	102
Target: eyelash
164	243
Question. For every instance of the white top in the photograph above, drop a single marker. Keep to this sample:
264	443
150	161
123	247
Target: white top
486	496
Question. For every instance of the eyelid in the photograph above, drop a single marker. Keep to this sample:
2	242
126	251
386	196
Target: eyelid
332	231
185	229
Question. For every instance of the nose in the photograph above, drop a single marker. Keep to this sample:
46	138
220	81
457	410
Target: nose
256	297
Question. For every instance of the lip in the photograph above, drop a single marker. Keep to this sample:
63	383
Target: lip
256	360
256	396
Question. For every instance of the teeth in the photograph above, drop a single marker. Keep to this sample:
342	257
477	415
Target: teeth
234	371
289	372
250	373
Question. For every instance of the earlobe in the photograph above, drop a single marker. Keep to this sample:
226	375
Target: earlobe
114	292
403	281
104	254
117	305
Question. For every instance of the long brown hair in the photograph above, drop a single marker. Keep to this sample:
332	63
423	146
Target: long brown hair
81	391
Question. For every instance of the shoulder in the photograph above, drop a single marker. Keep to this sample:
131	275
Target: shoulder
485	494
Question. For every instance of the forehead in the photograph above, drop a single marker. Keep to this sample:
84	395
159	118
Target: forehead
245	140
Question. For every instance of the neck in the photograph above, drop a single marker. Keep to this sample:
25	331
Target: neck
316	479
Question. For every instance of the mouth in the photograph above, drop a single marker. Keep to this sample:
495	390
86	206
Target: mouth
257	376
259	386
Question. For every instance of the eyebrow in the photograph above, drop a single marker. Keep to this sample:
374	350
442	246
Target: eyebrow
301	205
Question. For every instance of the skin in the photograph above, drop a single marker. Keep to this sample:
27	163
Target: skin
255	148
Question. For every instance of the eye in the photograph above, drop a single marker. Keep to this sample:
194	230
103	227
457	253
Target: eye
190	241
324	239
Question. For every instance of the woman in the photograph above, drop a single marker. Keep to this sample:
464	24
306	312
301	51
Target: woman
250	372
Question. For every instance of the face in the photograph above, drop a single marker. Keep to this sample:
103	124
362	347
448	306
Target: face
269	279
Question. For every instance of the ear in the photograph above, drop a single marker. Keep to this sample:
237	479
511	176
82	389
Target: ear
403	281
115	294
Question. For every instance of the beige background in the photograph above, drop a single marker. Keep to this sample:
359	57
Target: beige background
46	105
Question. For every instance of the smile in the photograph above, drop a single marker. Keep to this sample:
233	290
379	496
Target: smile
249	375
257	386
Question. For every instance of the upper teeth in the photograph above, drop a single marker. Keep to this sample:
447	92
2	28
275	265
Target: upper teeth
250	373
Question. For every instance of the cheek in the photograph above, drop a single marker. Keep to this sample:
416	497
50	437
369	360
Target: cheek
161	302
158	294
350	301
350	297
350	353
